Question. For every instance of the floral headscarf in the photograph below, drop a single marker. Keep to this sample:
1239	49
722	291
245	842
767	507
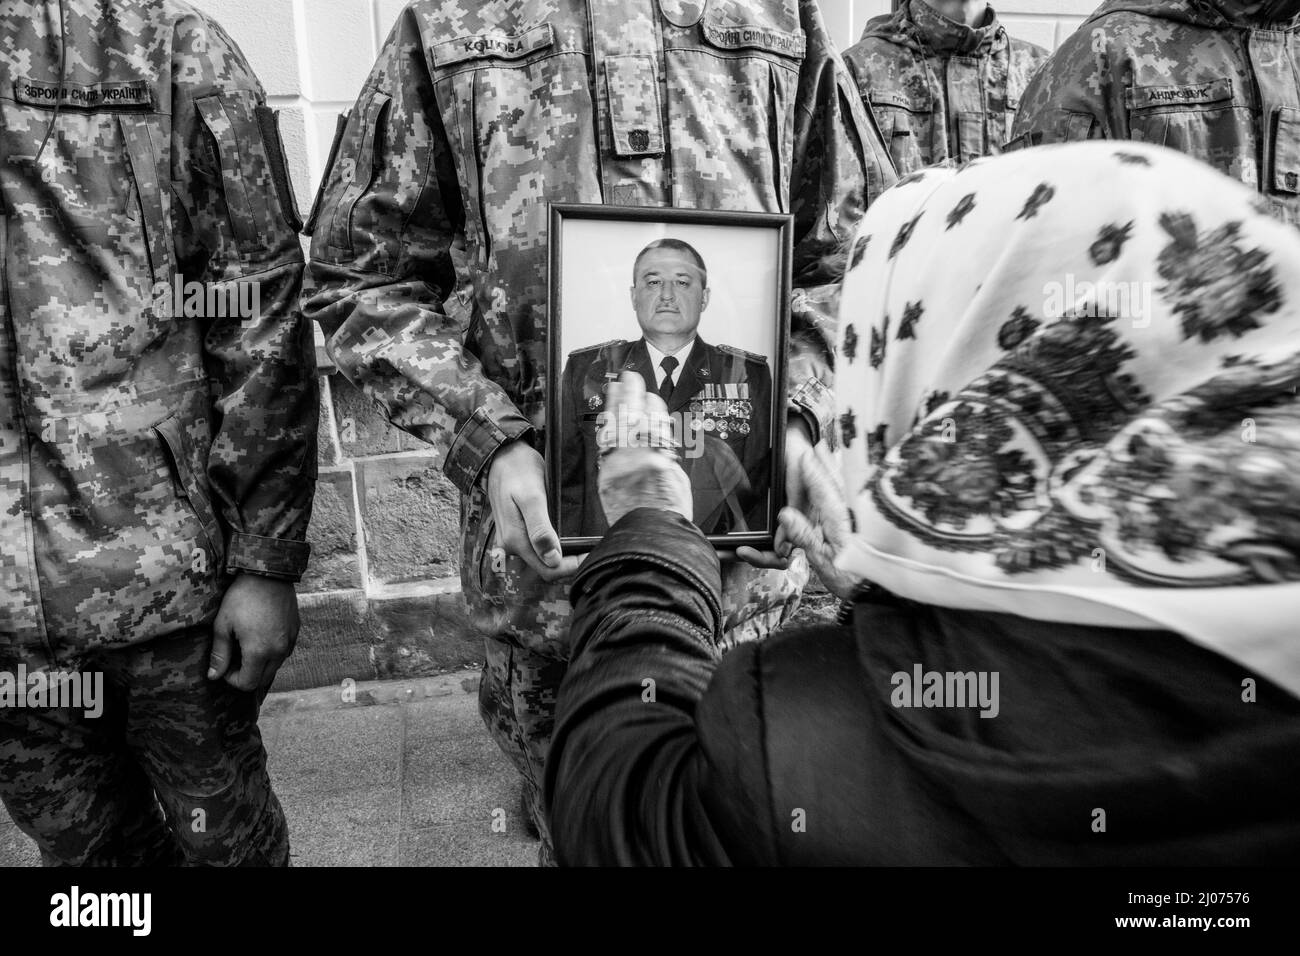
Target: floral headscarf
1067	389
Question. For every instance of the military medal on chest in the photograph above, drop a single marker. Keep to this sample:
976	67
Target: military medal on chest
718	396
728	408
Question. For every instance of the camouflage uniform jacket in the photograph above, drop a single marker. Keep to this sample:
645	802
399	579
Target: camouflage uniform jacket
428	266
146	451
1199	77
429	253
941	90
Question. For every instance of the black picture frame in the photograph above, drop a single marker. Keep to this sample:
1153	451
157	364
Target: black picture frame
748	257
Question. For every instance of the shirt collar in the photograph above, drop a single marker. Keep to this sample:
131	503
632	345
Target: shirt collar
657	357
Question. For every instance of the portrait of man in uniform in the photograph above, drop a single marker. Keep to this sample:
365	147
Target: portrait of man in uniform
719	399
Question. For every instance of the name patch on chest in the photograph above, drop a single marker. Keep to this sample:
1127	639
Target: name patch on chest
1195	94
747	35
501	46
121	95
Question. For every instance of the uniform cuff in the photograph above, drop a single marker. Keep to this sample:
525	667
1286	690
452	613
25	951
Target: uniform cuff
476	443
271	557
815	401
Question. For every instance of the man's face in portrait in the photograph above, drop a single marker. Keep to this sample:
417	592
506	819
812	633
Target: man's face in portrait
668	293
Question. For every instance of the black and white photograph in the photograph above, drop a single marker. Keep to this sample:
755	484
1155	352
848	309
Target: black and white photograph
694	304
578	434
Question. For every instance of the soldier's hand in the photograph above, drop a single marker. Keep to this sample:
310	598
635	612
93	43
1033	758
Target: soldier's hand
812	489
516	488
258	619
638	468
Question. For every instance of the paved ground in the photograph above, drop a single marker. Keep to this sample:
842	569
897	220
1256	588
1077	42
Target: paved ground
404	776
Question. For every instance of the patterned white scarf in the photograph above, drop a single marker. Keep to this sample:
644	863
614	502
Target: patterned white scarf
1068	391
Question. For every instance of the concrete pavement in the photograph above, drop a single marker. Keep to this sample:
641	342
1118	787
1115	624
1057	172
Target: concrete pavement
398	773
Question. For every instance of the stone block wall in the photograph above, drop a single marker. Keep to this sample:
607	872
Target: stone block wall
382	596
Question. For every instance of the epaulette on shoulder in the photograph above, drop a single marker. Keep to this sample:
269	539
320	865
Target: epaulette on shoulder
751	356
597	348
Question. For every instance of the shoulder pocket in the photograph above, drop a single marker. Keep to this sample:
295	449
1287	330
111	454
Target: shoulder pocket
340	127
1023	141
904	122
1079	126
141	137
248	160
357	165
268	120
1285	150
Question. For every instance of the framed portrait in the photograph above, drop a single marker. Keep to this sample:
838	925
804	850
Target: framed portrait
697	303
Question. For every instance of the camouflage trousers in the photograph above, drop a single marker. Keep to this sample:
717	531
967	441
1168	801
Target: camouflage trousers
525	624
172	772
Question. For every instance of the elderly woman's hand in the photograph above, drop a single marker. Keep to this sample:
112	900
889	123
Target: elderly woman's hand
638	461
823	536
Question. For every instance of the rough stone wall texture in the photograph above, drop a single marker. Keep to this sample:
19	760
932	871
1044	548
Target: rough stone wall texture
382	598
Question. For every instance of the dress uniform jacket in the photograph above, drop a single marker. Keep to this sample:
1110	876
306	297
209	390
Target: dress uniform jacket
1200	77
150	441
429	254
723	395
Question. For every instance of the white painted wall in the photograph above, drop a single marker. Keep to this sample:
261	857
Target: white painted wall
313	55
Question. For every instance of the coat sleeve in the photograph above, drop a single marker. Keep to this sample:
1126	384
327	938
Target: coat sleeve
386	233
840	166
1078	93
636	775
238	231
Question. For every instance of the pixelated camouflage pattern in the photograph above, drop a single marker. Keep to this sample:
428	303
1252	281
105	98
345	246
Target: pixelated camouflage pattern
517	694
429	253
429	258
142	454
940	90
88	799
1201	77
429	261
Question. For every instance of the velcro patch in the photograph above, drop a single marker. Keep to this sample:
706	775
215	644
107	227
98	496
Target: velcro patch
1197	94
897	98
121	95
763	38
502	46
